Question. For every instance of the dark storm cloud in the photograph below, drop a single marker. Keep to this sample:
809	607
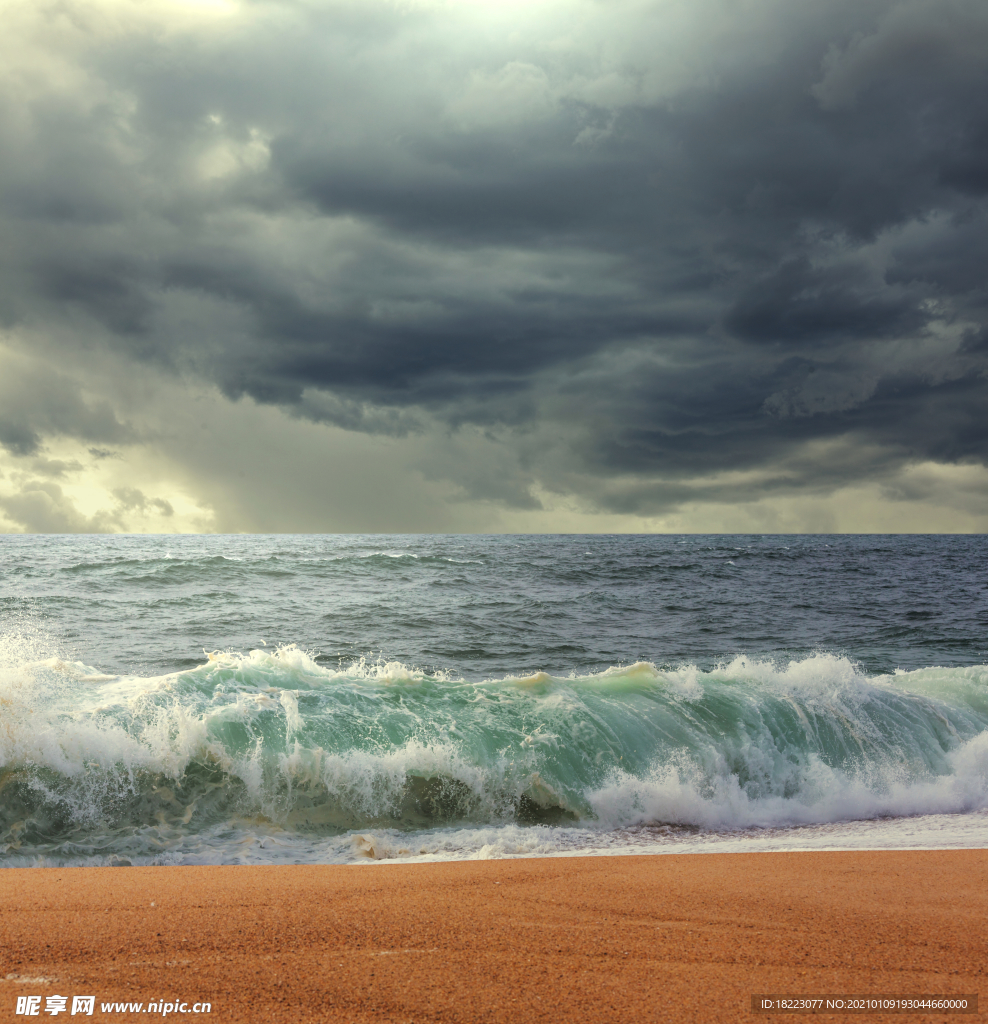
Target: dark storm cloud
797	305
367	215
131	499
466	345
18	439
38	401
111	292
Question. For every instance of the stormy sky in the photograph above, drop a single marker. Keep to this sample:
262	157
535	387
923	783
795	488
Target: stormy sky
306	265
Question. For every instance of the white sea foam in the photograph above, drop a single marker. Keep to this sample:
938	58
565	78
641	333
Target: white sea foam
681	793
277	737
247	843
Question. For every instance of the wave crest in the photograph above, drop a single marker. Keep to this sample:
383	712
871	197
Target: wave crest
89	760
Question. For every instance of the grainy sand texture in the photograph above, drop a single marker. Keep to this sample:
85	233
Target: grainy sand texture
595	939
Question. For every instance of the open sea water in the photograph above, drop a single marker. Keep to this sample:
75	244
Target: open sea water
345	699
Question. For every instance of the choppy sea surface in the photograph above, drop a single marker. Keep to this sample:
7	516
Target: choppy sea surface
345	699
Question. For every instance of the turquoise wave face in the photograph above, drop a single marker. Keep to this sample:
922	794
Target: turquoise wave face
91	762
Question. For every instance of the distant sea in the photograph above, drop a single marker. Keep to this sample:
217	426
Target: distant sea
345	699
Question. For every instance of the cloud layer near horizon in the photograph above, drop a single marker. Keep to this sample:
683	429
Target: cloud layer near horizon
575	265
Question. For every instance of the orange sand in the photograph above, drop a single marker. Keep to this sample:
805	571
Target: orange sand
663	938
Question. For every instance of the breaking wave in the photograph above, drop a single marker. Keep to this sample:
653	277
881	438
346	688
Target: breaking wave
94	764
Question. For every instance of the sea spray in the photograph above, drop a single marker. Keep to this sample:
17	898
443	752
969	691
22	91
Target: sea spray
92	763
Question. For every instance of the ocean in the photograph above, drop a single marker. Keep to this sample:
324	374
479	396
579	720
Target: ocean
357	699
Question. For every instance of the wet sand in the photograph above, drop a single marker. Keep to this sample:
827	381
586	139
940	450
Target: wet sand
664	938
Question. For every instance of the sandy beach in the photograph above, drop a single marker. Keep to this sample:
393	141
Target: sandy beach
677	938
